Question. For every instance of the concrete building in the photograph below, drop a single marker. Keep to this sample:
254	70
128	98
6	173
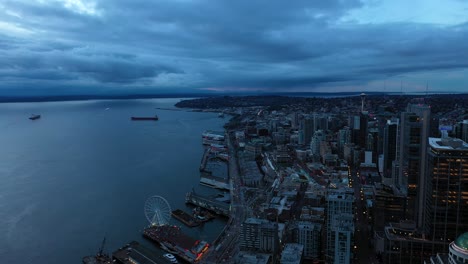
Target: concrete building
340	226
292	254
344	137
253	258
259	235
318	137
309	235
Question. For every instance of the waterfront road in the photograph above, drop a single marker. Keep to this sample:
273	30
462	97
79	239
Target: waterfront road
226	246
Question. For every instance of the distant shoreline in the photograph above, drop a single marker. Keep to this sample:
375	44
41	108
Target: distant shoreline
59	98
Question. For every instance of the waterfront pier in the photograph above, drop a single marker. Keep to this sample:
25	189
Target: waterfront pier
207	202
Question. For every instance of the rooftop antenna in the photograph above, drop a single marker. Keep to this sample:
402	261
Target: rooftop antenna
427	89
385	89
401	87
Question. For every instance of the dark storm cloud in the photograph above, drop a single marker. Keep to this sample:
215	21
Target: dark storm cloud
204	44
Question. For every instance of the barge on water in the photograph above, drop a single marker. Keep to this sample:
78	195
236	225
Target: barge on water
34	117
174	241
185	218
145	118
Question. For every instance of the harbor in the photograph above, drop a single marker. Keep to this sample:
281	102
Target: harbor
171	238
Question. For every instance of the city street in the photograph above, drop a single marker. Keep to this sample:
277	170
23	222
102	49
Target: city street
362	236
227	245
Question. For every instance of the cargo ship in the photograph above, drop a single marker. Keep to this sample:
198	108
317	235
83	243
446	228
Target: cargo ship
145	118
185	218
34	117
174	241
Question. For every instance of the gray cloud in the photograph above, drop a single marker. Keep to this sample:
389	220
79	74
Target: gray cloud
223	44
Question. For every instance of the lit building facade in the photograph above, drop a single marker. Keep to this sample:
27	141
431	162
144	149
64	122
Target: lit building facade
446	208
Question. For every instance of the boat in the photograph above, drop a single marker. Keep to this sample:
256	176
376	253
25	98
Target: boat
221	115
172	239
170	257
34	117
143	118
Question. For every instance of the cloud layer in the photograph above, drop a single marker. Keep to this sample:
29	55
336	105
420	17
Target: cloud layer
182	45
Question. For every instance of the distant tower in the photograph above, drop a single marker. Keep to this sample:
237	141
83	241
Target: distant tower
363	101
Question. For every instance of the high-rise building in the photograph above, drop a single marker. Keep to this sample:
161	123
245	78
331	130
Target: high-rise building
307	128
309	235
318	137
446	203
390	145
414	132
344	136
363	129
340	226
259	235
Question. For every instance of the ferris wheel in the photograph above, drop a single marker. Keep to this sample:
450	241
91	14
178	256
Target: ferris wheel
157	210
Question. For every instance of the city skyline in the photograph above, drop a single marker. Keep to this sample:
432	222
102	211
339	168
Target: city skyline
108	47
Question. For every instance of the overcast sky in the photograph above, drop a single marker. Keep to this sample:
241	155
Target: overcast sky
106	46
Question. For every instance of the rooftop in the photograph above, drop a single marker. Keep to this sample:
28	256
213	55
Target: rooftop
292	253
462	241
447	143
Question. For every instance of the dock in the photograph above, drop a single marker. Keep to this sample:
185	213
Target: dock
185	218
205	157
207	202
136	253
209	180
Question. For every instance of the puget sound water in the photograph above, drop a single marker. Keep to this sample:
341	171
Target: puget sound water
83	171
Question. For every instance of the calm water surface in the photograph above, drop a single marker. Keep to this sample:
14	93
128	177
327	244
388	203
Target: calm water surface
84	170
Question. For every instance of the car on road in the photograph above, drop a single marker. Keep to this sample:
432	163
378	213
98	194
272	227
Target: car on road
171	258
